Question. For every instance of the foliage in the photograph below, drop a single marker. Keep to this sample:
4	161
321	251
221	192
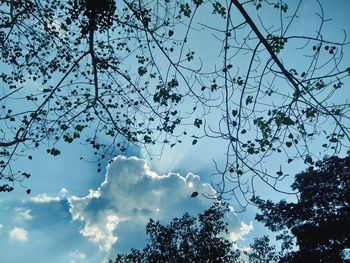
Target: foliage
262	251
320	220
131	73
187	239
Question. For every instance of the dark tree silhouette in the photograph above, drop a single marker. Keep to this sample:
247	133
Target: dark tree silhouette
320	220
261	251
187	239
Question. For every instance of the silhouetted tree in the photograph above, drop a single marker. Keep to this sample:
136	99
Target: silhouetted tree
320	220
187	239
261	251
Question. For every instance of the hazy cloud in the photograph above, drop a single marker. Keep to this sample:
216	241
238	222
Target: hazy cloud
77	257
18	234
23	214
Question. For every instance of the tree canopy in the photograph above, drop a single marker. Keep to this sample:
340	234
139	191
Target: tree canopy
132	73
320	220
187	239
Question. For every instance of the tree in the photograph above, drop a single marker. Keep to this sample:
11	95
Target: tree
262	251
320	220
112	77
187	239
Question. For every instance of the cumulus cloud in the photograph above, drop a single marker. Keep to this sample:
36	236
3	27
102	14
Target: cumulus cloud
115	215
77	257
18	234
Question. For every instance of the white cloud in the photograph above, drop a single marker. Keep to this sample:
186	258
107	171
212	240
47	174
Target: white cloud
18	234
76	257
102	232
63	193
115	215
243	230
45	198
1	226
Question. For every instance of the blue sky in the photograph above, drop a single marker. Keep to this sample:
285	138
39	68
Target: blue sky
75	214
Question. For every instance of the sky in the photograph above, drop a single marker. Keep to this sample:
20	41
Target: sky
75	214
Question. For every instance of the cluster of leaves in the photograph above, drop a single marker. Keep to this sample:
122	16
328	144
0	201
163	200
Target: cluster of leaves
113	77
67	77
97	15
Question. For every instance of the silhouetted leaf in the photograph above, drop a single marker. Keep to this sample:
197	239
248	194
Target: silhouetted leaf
194	194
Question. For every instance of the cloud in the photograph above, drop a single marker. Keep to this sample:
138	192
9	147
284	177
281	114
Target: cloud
77	257
45	198
18	234
243	230
63	193
1	226
23	214
115	215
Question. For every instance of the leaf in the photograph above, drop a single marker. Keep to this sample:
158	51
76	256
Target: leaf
54	151
194	142
28	191
251	150
194	194
142	71
170	33
147	139
198	2
27	175
289	144
198	123
309	160
185	9
333	139
249	100
218	8
287	121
